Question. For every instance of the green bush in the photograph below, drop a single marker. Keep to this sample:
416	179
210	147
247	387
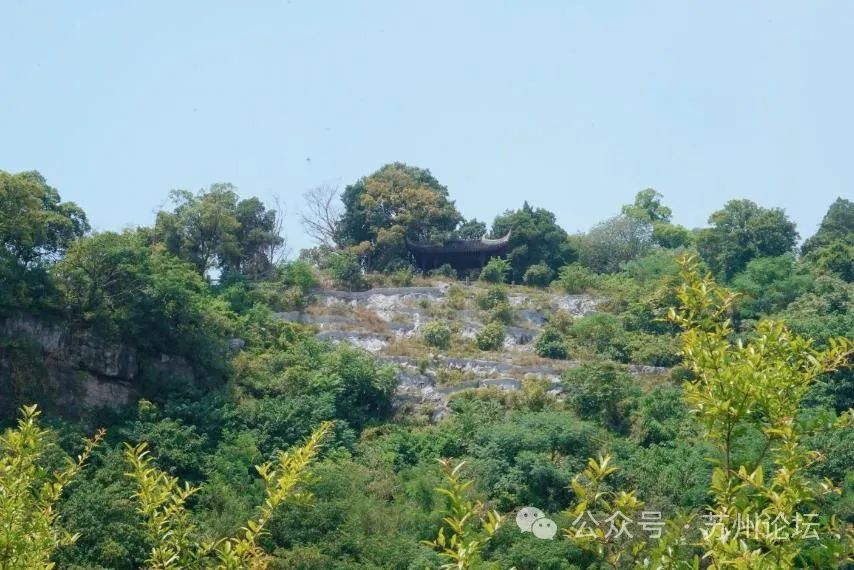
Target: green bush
444	270
401	277
502	312
653	349
550	344
437	334
491	297
455	297
600	391
538	275
574	278
490	337
298	274
345	270
495	271
603	332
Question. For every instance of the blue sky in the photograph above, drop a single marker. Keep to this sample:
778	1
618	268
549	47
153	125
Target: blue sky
574	106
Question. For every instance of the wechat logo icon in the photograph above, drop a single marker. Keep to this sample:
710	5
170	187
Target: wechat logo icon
533	520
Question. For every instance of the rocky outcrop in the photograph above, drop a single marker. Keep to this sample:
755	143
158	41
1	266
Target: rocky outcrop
376	319
81	369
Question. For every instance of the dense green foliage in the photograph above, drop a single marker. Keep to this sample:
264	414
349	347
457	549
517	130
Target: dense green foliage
437	334
214	229
495	271
395	203
742	231
261	385
535	238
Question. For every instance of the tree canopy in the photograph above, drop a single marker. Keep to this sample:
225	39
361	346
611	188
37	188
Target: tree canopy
535	238
831	249
395	203
34	221
741	231
215	229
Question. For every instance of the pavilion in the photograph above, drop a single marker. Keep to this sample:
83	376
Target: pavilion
461	254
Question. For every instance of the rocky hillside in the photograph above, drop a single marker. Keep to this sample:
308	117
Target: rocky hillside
390	322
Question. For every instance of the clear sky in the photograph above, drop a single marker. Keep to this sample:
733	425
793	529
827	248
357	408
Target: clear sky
574	106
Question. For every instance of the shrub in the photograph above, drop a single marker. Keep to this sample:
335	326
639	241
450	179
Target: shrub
653	349
401	277
501	313
550	344
345	270
28	494
603	332
538	275
495	271
299	274
491	297
561	321
600	391
574	278
455	297
490	337
437	334
444	270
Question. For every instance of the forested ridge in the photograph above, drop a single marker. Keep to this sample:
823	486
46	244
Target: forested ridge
236	435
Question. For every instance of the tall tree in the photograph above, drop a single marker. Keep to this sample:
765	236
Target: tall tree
394	203
831	249
647	207
610	244
837	224
213	229
535	238
741	231
35	224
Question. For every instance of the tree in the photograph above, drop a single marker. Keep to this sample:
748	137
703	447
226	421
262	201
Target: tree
831	249
437	334
769	284
751	384
535	238
647	207
610	244
142	294
36	227
470	229
35	224
30	532
837	225
395	203
213	229
742	231
600	391
550	344
322	213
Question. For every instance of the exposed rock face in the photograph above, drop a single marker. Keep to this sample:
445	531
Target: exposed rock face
375	319
368	341
575	305
82	369
80	349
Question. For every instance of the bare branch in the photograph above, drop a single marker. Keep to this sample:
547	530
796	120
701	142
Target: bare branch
279	251
321	213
